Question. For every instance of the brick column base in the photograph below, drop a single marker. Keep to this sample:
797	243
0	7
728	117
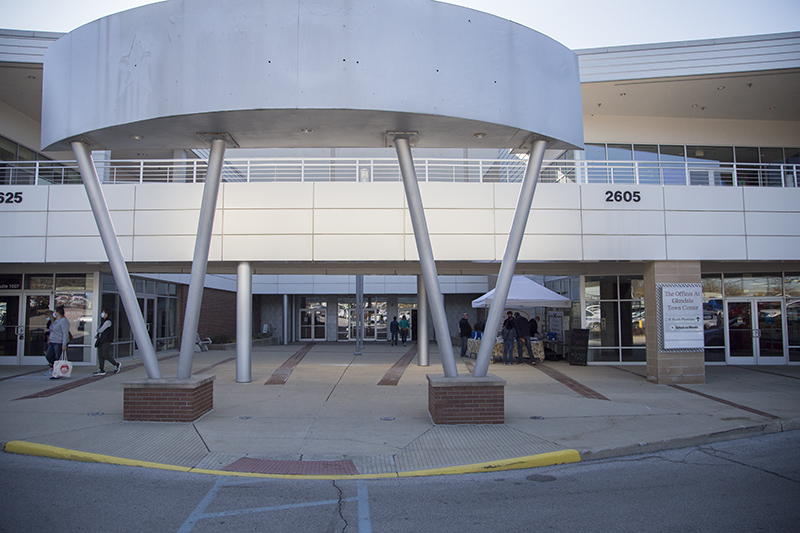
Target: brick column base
168	400
466	399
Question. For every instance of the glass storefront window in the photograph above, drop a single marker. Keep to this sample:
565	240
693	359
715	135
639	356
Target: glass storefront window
601	288
39	282
792	284
793	329
71	282
712	286
11	282
753	285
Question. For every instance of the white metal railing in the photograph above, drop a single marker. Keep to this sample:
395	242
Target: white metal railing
387	169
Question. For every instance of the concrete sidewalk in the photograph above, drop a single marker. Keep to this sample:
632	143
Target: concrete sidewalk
332	414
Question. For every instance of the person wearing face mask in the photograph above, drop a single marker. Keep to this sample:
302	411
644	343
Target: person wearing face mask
59	337
104	338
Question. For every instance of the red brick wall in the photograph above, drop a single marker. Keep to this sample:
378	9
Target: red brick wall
466	405
217	312
168	404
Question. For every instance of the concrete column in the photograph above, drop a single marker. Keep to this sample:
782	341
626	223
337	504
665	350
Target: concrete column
673	366
244	321
422	324
285	324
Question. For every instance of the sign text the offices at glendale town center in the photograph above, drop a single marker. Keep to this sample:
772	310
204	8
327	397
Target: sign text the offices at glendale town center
682	316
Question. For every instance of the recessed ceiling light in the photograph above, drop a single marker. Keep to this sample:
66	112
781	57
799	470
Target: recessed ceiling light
773	108
136	137
306	130
30	77
479	135
623	94
694	105
721	87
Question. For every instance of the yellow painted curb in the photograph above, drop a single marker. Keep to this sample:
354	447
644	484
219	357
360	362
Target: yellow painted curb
519	463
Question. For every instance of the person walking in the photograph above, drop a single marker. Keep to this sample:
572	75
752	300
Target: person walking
104	337
404	325
394	329
465	332
509	336
59	338
523	337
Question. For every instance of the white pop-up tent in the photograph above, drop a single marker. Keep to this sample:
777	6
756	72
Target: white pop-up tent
524	293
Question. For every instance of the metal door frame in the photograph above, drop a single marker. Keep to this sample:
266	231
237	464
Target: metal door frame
755	335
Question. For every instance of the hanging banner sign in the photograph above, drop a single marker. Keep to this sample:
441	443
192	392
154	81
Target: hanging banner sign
682	316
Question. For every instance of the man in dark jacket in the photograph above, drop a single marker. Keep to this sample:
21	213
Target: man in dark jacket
465	332
534	327
523	328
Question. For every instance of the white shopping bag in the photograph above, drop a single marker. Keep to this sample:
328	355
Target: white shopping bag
62	368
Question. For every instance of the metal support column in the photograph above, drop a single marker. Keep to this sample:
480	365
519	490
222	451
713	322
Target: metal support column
115	258
425	252
202	246
244	321
359	314
422	324
511	255
285	325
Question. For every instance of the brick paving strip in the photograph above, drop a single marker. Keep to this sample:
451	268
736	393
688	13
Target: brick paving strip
393	375
581	389
282	373
270	466
74	384
709	397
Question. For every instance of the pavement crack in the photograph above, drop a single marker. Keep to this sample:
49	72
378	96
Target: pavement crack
711	451
340	505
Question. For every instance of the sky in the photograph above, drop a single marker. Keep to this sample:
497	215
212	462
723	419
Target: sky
576	24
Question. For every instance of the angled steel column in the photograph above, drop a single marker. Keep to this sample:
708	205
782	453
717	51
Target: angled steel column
425	251
244	321
513	245
202	246
115	259
423	344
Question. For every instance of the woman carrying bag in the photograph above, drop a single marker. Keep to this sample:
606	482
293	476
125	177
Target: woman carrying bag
59	337
103	343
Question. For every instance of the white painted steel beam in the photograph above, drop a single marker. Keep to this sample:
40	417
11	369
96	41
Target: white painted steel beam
513	245
423	344
202	246
425	251
244	321
115	258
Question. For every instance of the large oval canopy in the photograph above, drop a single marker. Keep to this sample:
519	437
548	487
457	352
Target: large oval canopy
309	73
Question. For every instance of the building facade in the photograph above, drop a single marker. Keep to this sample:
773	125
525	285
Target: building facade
689	175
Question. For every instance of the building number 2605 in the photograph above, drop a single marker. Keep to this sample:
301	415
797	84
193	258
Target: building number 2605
10	197
619	196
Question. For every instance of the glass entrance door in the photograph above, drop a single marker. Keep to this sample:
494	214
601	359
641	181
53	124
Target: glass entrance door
10	330
148	308
755	333
37	320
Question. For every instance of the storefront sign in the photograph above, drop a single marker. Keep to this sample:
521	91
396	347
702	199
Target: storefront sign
682	316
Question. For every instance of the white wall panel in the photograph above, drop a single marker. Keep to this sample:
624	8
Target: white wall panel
462	247
596	196
771	199
358	221
773	224
33	198
82	223
699	198
172	222
83	249
691	248
164	248
358	247
545	248
268	221
268	195
773	248
623	222
68	198
22	249
704	223
546	196
120	197
541	221
457	222
457	195
268	248
23	224
171	196
606	247
359	195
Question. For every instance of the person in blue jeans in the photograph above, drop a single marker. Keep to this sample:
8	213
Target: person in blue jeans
509	336
404	325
